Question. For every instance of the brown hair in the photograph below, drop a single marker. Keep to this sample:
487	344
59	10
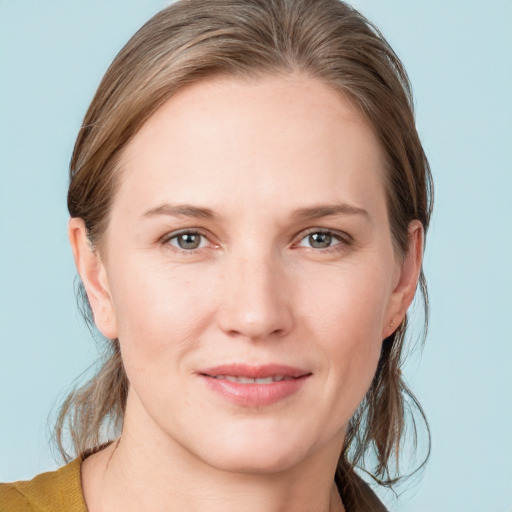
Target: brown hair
193	39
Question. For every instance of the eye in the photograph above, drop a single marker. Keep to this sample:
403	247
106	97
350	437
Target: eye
317	239
187	240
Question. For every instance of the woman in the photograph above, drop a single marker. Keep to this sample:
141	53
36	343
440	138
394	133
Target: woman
248	201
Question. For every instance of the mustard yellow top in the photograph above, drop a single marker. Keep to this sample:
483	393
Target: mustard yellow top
56	491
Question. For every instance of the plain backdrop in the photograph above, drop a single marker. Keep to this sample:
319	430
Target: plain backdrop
459	57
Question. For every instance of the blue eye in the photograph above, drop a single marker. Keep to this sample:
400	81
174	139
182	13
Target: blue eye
188	240
320	240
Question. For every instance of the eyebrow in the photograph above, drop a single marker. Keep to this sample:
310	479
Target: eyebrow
314	212
180	210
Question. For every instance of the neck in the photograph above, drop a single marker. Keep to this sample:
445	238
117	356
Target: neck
147	472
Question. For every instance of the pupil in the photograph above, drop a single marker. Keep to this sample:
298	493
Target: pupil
320	240
189	241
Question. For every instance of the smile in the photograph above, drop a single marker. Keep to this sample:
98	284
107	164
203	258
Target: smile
254	386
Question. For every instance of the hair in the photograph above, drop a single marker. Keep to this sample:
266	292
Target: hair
194	39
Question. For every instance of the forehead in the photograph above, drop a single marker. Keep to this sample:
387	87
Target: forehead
275	140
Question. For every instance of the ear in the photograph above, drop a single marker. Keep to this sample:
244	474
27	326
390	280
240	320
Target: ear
94	278
407	280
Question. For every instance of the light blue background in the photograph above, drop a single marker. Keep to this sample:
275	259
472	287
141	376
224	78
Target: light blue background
459	57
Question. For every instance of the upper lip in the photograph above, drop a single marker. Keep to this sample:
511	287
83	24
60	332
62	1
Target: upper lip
254	372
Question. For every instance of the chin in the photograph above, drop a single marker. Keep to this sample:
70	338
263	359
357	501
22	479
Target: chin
254	452
262	462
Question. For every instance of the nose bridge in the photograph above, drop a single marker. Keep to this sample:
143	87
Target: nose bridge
255	302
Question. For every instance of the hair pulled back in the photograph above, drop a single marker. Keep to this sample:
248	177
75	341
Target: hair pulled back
193	39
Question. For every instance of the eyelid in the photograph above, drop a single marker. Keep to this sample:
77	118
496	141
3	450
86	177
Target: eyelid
344	238
330	231
164	240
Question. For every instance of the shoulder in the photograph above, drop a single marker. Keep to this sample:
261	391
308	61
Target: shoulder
54	491
11	499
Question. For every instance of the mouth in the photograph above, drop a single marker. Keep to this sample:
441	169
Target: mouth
248	380
254	386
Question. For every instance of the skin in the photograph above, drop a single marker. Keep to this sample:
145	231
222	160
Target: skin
257	290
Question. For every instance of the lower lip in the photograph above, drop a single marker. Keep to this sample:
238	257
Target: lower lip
255	395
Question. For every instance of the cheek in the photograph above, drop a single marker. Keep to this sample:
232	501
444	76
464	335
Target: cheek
345	315
159	314
348	303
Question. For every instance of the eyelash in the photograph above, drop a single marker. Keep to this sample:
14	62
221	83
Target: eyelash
172	236
344	240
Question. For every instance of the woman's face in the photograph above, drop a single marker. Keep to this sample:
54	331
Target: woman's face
248	271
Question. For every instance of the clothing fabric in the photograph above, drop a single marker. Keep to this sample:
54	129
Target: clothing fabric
55	491
61	491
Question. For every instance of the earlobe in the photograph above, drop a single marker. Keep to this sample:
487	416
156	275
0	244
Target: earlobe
405	288
94	278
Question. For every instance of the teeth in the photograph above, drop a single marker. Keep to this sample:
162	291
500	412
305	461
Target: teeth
266	380
249	380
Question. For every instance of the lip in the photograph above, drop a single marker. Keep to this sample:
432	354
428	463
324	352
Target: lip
254	394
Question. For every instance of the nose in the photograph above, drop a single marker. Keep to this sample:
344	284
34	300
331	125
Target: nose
256	301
